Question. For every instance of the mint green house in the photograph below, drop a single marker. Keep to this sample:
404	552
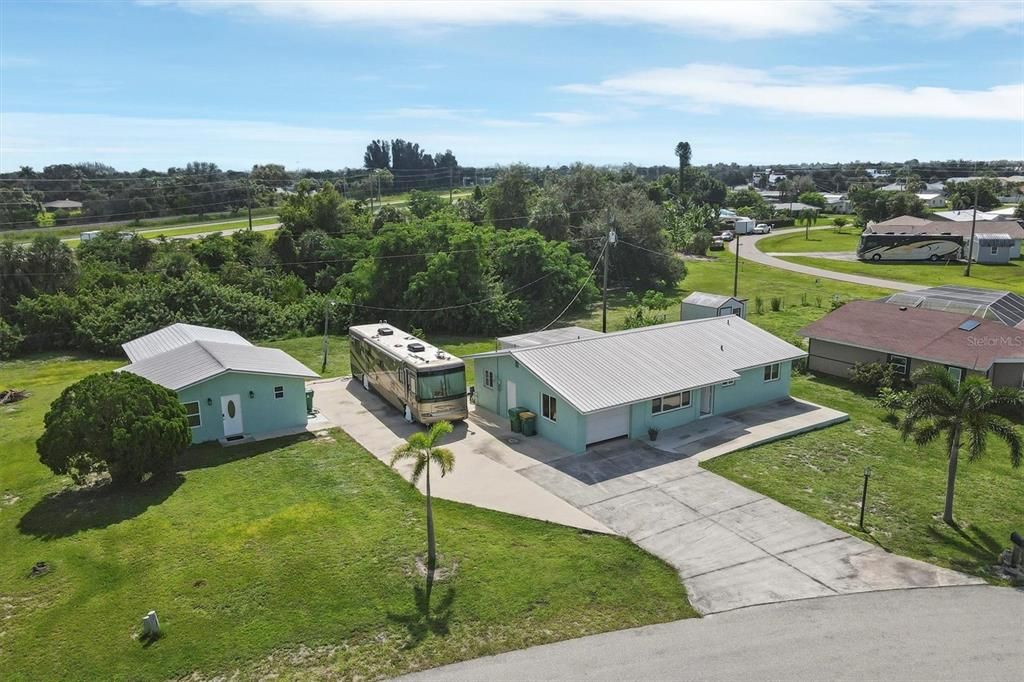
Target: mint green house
231	389
619	385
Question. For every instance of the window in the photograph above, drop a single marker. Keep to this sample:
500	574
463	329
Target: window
192	410
730	382
771	372
549	407
956	374
278	391
900	363
672	401
488	378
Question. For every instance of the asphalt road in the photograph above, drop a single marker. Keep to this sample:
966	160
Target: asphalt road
749	250
948	633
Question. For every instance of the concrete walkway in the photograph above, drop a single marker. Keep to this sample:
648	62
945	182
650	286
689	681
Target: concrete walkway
960	633
485	467
749	250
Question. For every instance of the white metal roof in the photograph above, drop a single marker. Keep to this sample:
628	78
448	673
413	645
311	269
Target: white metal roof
709	300
197	361
639	364
547	336
175	336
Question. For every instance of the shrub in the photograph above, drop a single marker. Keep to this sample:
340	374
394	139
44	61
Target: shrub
759	305
837	302
776	303
10	339
892	400
117	422
875	376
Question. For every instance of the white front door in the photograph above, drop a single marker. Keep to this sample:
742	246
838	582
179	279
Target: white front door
608	424
231	411
707	400
510	395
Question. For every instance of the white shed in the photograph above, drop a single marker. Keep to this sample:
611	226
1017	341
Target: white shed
996	249
699	305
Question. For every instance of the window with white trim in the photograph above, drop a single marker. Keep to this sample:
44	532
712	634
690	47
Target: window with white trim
771	372
488	378
192	414
956	374
672	401
901	364
994	251
730	382
278	392
549	407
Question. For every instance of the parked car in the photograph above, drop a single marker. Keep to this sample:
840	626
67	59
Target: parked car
762	228
717	244
727	236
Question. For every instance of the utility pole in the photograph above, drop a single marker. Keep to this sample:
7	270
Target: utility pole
736	270
327	308
451	179
604	290
248	201
974	223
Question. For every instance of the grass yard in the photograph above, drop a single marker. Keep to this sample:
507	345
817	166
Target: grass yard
1009	277
815	240
804	298
293	557
821	474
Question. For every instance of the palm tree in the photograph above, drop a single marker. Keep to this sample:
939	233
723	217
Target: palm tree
420	447
684	152
971	410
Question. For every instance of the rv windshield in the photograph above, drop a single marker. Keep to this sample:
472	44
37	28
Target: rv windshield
441	385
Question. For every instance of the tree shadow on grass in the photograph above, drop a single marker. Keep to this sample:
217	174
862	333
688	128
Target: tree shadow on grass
71	510
974	542
213	454
425	618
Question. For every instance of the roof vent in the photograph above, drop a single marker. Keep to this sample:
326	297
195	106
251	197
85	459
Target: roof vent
385	331
903	307
415	347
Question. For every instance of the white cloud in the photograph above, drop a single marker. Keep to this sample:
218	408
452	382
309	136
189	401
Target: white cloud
708	85
726	20
572	118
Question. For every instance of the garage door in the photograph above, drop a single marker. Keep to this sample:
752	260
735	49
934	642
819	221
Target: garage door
607	425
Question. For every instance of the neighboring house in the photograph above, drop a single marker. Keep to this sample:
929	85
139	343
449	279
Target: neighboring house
911	338
547	336
699	305
938	187
619	385
837	203
1014	230
966	215
894	187
932	200
994	249
794	207
770	194
231	389
1004	307
63	205
876	173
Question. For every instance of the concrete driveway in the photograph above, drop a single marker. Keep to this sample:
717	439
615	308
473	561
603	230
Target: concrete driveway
732	547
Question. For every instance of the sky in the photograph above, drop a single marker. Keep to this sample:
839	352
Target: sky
308	84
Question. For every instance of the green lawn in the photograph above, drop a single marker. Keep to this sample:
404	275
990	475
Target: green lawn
291	557
814	240
1009	277
821	474
170	233
805	298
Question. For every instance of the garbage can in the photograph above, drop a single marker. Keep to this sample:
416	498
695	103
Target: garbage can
309	401
513	417
529	420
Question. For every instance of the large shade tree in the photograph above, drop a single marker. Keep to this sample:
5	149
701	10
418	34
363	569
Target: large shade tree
962	414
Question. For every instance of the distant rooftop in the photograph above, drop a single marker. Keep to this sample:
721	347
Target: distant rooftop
989	304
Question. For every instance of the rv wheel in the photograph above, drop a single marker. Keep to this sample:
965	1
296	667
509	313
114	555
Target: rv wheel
934	258
877	256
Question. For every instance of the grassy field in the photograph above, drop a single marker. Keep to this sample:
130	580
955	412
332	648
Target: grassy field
821	474
170	233
1009	277
815	240
804	298
293	557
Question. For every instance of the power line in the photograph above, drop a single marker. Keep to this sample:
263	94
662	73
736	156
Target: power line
589	278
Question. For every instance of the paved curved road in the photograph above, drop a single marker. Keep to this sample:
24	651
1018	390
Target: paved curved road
749	250
949	633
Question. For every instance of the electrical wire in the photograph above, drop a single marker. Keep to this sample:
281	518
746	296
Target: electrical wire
604	248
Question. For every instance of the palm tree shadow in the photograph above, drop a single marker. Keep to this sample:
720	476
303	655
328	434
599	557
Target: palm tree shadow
425	619
976	543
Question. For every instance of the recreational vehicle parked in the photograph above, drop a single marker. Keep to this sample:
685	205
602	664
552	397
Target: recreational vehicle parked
909	247
424	382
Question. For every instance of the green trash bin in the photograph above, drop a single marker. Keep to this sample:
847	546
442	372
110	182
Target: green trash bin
513	417
529	420
309	401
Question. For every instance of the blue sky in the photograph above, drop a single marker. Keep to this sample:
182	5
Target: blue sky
308	84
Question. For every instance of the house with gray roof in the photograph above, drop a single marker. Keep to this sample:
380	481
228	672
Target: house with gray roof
231	389
619	385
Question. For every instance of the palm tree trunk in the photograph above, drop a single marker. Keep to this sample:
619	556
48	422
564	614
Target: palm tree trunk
954	451
431	547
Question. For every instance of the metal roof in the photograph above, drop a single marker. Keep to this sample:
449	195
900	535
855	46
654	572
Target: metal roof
709	300
639	364
990	304
547	336
175	336
198	361
989	239
63	203
397	342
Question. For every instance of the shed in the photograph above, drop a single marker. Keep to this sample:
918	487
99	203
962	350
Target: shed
546	336
63	204
994	249
699	305
231	389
